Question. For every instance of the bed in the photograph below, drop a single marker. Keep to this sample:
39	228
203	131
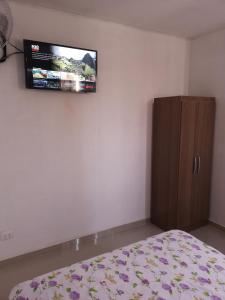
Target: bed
171	265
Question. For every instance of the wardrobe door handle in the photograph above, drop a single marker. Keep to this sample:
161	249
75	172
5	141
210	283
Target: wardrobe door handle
195	166
199	164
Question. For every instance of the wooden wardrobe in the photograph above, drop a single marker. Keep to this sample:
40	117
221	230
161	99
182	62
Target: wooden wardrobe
181	161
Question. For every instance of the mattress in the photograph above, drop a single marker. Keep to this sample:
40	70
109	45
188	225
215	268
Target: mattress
171	265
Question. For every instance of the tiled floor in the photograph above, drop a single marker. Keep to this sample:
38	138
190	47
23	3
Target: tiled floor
30	266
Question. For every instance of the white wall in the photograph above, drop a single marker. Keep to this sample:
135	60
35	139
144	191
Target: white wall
72	164
207	77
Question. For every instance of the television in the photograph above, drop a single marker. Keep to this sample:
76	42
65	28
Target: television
60	68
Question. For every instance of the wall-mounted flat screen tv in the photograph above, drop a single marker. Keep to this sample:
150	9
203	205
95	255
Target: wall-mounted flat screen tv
61	68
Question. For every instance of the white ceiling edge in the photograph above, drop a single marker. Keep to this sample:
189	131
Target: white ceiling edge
198	36
107	20
47	5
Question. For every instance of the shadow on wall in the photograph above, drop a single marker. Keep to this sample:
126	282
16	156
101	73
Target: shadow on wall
18	63
148	158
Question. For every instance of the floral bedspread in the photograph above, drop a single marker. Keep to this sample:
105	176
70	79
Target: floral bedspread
171	265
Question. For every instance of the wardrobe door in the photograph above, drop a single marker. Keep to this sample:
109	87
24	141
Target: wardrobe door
187	164
203	152
165	162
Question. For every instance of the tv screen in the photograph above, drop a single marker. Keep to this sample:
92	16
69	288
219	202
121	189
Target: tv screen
62	68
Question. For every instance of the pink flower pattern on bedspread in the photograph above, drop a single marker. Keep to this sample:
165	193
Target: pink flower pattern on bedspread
172	265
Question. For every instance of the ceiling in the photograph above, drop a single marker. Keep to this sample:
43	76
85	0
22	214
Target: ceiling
185	18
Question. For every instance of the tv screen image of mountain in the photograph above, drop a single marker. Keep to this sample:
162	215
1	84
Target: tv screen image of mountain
57	67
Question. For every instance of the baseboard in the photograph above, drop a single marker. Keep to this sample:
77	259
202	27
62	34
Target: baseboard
217	225
82	240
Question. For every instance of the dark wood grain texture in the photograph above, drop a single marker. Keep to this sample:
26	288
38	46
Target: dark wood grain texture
188	124
165	162
203	151
182	134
